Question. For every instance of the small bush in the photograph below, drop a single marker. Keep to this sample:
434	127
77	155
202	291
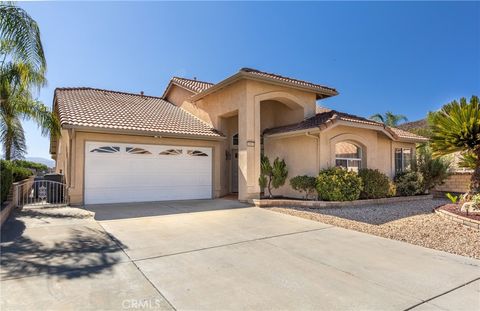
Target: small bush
337	184
392	189
434	170
20	173
304	184
409	183
6	176
375	184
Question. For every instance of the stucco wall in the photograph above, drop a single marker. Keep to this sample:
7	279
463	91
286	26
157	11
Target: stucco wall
62	156
304	157
178	95
77	177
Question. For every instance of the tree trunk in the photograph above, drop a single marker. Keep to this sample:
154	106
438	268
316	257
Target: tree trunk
8	149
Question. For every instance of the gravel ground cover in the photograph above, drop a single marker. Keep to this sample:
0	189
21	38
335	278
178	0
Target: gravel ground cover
413	222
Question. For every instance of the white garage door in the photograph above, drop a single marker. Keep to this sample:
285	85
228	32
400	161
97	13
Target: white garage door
117	173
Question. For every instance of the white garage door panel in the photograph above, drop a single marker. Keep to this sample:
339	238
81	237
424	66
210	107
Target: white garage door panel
113	175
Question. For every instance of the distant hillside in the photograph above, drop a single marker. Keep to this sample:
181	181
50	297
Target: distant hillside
419	127
47	162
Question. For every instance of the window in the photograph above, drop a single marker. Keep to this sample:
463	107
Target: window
171	152
197	153
348	155
235	140
403	159
106	149
133	150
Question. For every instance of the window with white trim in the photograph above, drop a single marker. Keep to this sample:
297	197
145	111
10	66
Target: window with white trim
403	159
348	155
106	149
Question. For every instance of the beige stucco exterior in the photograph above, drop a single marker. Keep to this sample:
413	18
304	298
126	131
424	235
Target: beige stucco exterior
245	107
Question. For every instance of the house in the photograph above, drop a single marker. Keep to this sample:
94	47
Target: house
204	140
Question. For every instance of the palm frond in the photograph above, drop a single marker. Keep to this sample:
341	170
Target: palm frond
23	33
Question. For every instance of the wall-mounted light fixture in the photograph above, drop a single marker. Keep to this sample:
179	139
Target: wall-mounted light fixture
250	143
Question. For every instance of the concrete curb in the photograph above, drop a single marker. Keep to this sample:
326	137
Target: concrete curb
326	204
471	223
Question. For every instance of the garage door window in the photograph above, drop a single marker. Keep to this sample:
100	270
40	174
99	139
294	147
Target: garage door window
106	149
171	152
197	153
133	150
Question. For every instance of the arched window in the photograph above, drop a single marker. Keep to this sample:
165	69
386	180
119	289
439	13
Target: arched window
348	155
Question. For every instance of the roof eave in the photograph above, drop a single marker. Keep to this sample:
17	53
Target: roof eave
97	129
245	75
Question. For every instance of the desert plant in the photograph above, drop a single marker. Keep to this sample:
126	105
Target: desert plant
338	184
434	170
375	184
6	179
456	127
272	176
409	183
304	184
452	198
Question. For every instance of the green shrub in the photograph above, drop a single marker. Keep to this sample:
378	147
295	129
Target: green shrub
39	167
272	176
20	173
409	183
434	170
304	184
6	176
337	184
375	184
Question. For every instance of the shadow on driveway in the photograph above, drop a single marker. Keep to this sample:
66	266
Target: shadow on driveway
57	250
148	209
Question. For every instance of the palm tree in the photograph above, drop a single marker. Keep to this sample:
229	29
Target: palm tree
22	69
456	127
23	35
389	118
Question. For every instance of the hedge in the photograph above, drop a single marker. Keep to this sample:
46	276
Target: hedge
6	176
338	184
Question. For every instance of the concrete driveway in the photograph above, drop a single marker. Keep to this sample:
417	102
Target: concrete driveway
218	254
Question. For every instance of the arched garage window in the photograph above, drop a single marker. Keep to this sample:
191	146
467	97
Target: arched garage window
348	155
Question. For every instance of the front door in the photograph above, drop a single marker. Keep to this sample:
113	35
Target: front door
235	170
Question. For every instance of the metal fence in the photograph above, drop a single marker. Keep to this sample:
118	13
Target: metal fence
40	193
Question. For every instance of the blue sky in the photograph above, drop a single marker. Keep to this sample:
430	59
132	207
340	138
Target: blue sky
405	57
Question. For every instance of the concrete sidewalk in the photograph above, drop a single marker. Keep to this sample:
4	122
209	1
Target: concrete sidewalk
219	254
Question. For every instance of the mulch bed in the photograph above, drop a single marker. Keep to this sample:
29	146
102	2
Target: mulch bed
455	209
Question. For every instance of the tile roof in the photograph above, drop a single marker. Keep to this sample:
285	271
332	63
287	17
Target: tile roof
405	134
97	108
255	72
324	119
192	85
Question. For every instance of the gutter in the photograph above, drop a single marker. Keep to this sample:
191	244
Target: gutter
141	133
317	138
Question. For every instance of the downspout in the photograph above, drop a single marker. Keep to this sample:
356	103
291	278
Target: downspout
316	137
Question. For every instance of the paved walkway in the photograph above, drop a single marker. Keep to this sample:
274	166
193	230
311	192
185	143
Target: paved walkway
218	254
